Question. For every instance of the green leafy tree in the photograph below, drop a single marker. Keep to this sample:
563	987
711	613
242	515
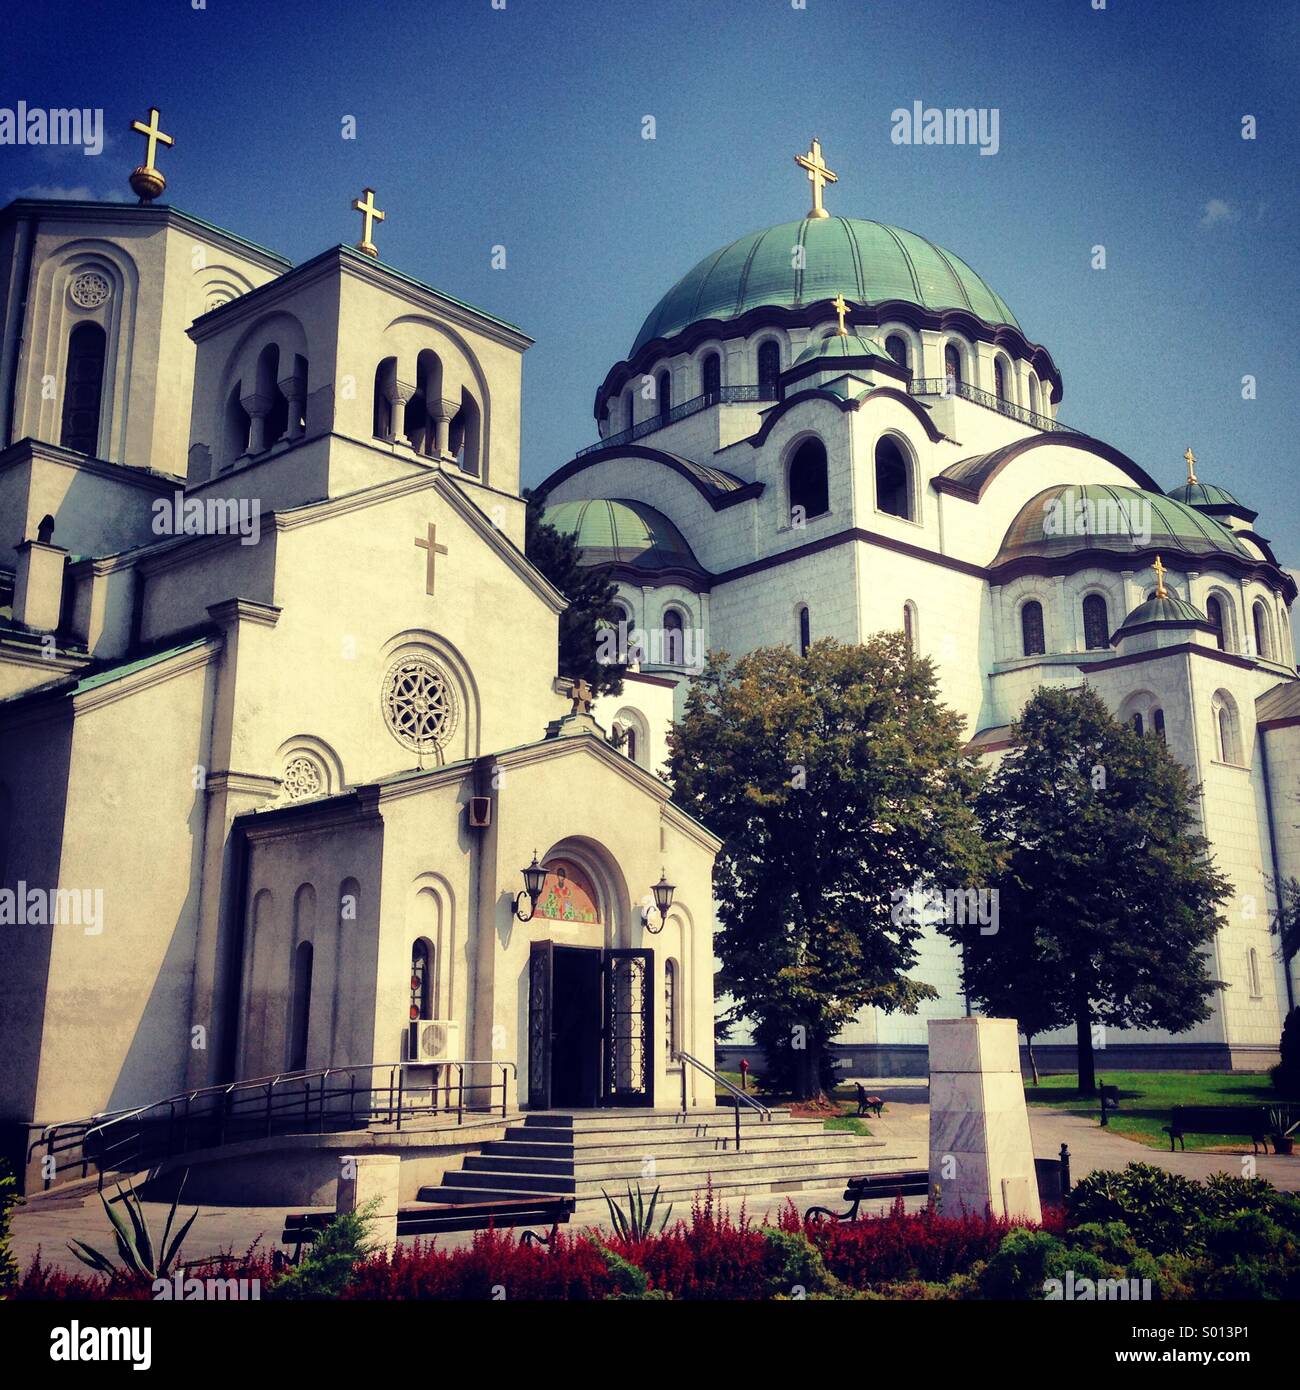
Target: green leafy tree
1107	892
837	784
591	610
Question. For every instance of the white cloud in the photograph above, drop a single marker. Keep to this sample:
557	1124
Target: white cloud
78	193
1217	211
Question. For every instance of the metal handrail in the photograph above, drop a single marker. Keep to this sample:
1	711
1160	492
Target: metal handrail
763	1112
949	386
288	1102
724	395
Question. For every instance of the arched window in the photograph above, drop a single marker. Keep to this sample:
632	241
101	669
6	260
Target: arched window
1137	722
711	374
1252	970
809	486
83	389
464	434
896	347
300	1012
664	387
1158	723
629	742
1035	400
909	625
1263	630
1227	741
952	364
769	368
276	421
1096	622
893	479
672	1043
674	638
421	981
805	630
999	378
385	383
631	409
1031	628
1214	611
238	427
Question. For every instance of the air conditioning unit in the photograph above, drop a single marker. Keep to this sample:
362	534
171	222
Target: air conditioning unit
480	812
433	1040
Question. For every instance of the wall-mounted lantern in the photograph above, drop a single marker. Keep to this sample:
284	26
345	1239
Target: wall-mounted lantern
663	895
534	881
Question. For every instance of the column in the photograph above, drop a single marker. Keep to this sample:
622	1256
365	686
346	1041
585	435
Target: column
258	408
397	393
294	390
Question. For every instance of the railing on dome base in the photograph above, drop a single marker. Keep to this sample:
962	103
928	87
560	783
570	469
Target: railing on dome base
303	1102
947	386
725	395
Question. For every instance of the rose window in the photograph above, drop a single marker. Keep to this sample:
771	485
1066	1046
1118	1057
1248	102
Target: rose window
89	289
419	703
301	778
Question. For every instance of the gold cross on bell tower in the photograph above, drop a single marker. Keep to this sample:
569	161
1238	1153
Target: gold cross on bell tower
369	215
1161	591
819	175
147	182
841	307
1191	464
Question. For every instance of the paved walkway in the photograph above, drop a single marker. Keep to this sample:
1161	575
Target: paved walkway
51	1222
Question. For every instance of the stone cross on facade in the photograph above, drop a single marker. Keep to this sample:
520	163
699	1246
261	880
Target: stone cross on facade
429	543
581	696
369	214
819	175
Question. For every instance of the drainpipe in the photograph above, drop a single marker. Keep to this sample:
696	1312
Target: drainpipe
1273	859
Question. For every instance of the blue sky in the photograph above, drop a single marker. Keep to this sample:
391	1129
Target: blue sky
522	127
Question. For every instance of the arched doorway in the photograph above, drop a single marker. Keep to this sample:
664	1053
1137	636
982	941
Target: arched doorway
590	1022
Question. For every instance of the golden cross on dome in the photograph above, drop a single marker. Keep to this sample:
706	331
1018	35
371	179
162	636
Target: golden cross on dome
819	175
1191	464
1161	591
429	544
147	180
840	305
369	214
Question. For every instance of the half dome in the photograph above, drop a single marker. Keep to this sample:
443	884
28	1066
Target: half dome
1070	517
842	345
619	531
867	262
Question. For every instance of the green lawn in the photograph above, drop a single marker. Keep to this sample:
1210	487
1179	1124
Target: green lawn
1146	1098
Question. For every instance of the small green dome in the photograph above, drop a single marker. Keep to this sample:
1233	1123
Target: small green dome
622	532
1170	611
1070	517
1204	495
842	345
867	262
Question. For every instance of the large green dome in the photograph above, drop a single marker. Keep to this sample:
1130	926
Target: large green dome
865	261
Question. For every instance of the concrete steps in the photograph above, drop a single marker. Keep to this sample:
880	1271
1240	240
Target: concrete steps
578	1155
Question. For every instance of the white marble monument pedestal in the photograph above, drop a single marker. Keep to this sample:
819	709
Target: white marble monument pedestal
364	1178
981	1157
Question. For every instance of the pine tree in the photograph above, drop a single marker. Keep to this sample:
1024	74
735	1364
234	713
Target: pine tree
838	785
1107	892
591	602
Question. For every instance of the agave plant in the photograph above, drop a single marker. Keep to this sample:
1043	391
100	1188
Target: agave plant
637	1222
134	1243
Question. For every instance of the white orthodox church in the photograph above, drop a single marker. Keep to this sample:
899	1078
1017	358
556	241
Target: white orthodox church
280	726
833	427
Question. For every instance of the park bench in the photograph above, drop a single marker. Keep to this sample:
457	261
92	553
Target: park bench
914	1183
1053	1175
434	1218
1252	1121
